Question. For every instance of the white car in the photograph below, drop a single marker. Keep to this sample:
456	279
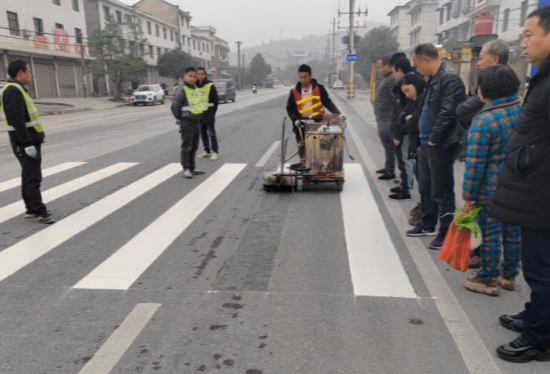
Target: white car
338	85
148	94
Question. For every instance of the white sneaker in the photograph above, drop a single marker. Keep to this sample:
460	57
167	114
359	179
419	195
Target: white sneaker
214	156
187	174
205	155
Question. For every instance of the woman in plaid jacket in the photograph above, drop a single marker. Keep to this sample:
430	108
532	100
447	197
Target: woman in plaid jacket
487	141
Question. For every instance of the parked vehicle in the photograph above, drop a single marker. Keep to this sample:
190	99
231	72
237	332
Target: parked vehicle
269	83
2	84
148	94
287	83
338	85
226	90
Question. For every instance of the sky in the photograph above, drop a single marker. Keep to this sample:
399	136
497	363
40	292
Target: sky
257	21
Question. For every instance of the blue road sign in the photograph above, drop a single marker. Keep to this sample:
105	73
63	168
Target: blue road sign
352	57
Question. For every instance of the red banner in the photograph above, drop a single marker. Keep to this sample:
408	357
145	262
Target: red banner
61	40
41	41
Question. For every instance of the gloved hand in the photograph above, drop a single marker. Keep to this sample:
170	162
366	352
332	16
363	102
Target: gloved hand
31	151
298	123
178	122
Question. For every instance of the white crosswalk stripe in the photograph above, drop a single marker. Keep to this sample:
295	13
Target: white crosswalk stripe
125	266
13	258
16	182
12	210
376	269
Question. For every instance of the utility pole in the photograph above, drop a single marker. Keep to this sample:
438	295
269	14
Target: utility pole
352	13
244	70
83	64
334	66
327	59
239	67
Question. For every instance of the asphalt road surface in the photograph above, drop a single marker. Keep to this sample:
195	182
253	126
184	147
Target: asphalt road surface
146	272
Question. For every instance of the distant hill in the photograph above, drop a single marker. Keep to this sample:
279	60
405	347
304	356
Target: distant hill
281	52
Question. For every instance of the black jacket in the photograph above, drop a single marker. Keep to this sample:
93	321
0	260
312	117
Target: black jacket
408	107
466	112
292	108
179	102
17	115
210	115
522	196
446	92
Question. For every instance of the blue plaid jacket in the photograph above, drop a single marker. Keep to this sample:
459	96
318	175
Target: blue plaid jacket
487	141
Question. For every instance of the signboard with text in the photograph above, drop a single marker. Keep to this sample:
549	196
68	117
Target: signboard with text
41	41
61	40
352	57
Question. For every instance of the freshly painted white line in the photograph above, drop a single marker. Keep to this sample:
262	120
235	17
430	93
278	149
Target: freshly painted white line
125	266
28	250
477	357
376	269
118	343
16	182
3	145
268	154
12	210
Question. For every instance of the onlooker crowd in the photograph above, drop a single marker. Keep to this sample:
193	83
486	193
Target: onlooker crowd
426	124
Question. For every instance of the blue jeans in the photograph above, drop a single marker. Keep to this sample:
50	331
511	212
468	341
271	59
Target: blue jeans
209	138
405	165
436	185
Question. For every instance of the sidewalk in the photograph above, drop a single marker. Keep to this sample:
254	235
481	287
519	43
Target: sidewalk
74	105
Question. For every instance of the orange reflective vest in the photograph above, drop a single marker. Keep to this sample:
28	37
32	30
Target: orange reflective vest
309	106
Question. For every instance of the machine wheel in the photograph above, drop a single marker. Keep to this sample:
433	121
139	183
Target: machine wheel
235	99
306	185
154	103
134	104
163	100
340	185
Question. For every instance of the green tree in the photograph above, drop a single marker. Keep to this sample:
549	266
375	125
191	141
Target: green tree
172	64
259	69
109	45
377	43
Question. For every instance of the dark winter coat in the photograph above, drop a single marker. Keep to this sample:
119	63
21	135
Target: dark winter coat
209	116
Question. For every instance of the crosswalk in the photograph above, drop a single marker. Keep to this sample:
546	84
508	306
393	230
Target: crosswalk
375	267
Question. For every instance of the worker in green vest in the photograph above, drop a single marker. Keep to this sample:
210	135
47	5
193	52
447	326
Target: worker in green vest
210	101
20	117
187	108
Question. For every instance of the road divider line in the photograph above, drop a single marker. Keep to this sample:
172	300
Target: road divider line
265	158
118	343
16	182
12	210
376	269
126	265
28	250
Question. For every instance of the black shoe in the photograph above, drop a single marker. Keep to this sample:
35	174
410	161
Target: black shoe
400	196
387	177
45	219
418	231
520	351
396	189
381	171
512	322
437	243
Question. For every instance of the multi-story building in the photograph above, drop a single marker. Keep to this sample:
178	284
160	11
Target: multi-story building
220	62
203	46
400	25
423	21
160	35
50	36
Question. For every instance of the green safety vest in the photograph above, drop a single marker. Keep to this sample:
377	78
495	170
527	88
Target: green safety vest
33	113
194	99
204	93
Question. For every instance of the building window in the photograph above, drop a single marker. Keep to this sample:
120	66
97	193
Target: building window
38	26
523	17
189	42
57	2
151	51
13	22
59	26
142	50
140	24
172	35
149	30
78	33
194	45
188	23
76	6
128	18
157	29
118	16
159	51
164	33
449	12
106	13
441	16
506	20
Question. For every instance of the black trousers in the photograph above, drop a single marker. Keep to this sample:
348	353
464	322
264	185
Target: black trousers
536	270
209	137
190	139
31	179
